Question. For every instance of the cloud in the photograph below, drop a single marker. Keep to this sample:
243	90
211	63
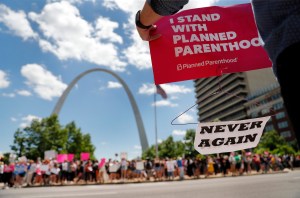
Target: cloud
23	92
199	4
113	85
178	132
149	89
26	121
137	147
4	82
9	95
104	30
167	103
42	81
137	54
174	89
72	1
75	38
142	61
185	118
13	119
16	22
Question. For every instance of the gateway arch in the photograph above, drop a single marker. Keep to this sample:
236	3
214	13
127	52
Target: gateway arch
138	118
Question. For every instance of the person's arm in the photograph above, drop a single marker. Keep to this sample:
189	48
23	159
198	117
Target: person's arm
147	17
151	12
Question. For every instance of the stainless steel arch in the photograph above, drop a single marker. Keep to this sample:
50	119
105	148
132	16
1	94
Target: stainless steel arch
138	118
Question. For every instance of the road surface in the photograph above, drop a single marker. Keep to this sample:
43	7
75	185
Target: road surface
281	185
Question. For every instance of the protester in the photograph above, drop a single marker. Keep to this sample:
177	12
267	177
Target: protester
180	166
278	23
8	179
1	171
30	172
148	168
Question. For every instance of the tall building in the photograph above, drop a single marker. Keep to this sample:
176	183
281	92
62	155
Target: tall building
241	96
222	98
268	101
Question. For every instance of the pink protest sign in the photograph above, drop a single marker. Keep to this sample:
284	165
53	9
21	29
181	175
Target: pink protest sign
101	163
84	156
70	157
61	157
207	42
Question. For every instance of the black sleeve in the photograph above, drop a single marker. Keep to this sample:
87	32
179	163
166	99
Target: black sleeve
167	7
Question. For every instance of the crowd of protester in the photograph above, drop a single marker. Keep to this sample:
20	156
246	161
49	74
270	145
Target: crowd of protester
49	172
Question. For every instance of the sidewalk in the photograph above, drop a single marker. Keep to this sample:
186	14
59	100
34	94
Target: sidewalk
219	175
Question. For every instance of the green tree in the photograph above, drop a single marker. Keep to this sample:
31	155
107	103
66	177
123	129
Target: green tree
150	152
273	142
48	134
189	139
170	148
77	142
167	148
19	142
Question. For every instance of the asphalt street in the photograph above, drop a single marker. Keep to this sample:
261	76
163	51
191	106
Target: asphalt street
281	185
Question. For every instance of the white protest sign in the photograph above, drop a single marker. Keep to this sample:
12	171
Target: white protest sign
221	137
123	155
140	166
114	168
51	154
45	167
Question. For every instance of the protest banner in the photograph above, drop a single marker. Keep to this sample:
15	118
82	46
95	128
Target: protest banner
205	42
114	168
60	158
70	157
44	167
140	166
51	154
102	162
84	156
222	137
22	159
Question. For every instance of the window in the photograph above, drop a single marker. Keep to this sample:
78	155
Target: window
282	125
286	134
254	115
280	115
265	111
276	96
278	106
269	127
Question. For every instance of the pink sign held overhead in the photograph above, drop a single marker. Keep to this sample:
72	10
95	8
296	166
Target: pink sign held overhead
101	163
206	42
84	156
70	157
61	158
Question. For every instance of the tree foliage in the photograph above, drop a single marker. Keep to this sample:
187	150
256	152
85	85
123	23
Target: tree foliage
49	134
173	149
189	139
271	141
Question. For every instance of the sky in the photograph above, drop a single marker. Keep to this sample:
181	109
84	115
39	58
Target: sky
45	44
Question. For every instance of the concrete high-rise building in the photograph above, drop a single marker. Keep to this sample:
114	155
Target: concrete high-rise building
222	98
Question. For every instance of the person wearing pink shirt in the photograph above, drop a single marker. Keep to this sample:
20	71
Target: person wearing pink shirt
8	175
